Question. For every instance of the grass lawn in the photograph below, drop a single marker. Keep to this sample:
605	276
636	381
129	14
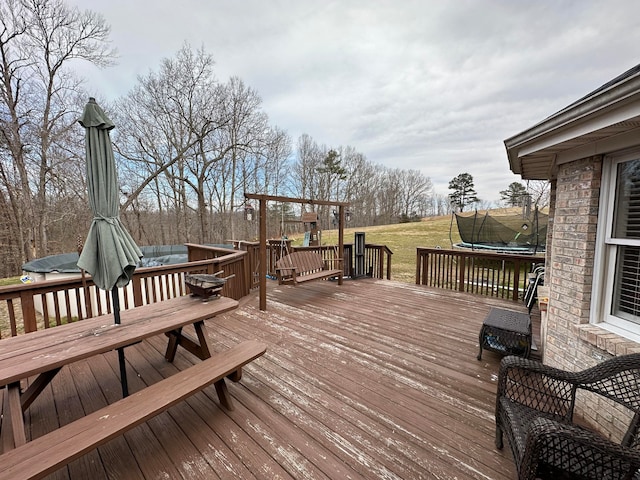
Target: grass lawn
10	281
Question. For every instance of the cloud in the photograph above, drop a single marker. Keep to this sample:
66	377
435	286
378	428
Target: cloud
430	85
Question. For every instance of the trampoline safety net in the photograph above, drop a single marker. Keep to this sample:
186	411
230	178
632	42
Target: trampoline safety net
504	232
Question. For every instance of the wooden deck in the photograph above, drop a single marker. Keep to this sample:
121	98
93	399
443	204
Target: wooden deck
371	379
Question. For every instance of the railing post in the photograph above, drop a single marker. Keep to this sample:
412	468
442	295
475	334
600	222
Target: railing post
248	274
388	265
263	254
418	266
516	279
28	312
137	290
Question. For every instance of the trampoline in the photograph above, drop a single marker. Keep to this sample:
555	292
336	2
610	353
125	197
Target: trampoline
503	233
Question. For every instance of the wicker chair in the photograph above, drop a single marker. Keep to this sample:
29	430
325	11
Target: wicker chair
534	409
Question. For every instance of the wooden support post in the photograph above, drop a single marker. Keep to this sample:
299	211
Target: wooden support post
341	242
199	348
15	418
516	280
223	394
263	254
462	266
29	312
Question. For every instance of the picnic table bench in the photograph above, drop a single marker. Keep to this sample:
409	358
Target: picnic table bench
304	266
45	454
44	353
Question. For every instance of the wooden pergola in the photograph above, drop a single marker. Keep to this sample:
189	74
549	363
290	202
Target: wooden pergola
263	199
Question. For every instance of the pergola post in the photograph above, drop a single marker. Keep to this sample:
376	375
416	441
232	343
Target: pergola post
263	254
341	242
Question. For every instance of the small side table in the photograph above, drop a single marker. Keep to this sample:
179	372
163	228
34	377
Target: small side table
506	332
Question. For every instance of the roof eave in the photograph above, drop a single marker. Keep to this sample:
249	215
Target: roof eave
604	104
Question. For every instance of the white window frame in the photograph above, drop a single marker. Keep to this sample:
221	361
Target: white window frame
606	250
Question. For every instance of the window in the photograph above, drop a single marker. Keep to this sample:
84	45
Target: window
620	304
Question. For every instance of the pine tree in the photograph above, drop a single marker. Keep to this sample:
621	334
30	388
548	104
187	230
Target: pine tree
463	191
514	194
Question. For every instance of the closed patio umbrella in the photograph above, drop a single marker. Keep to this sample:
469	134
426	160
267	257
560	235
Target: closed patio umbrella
110	255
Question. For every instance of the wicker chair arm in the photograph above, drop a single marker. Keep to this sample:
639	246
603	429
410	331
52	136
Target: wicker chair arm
558	446
537	386
588	379
538	368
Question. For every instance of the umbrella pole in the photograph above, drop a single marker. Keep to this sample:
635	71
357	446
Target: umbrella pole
116	316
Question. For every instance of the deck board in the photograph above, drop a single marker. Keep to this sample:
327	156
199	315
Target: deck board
371	379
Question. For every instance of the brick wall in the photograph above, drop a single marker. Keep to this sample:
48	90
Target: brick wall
570	259
569	274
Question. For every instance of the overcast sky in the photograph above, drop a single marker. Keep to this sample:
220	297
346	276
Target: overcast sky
431	85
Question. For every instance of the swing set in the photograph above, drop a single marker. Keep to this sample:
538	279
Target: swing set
288	273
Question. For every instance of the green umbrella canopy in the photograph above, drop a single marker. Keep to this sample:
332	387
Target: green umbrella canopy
110	255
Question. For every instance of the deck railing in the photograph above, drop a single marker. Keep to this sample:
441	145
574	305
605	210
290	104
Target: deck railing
489	274
33	306
252	262
377	261
377	258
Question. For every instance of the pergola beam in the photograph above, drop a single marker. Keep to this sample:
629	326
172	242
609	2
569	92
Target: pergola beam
309	201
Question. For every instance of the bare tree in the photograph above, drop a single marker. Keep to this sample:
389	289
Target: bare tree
193	144
39	103
441	205
359	187
251	153
388	195
272	174
415	188
376	194
267	172
305	178
365	198
539	190
166	126
247	133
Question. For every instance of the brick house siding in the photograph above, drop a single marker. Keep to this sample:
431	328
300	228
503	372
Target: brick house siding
572	148
572	343
571	257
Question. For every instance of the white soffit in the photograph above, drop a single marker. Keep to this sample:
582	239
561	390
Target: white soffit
589	129
611	143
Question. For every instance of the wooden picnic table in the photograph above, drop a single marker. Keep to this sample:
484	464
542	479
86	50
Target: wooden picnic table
45	352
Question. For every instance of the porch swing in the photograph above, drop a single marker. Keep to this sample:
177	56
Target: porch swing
307	265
